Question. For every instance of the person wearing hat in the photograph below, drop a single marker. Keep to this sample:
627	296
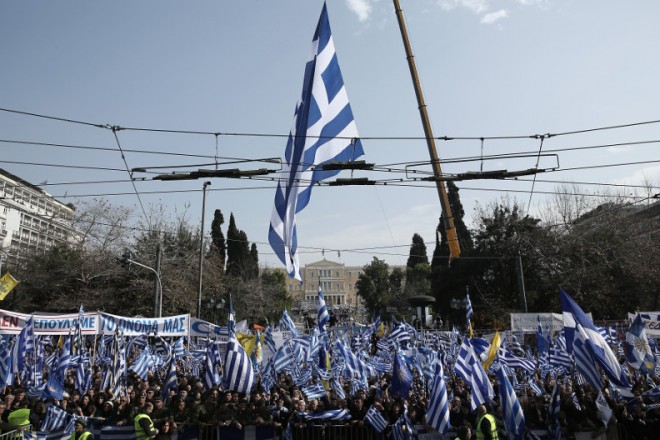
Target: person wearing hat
140	404
161	412
80	431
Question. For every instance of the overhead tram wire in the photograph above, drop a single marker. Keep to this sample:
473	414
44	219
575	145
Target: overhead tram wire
128	170
616	185
385	182
114	150
538	158
421	138
395	184
202	156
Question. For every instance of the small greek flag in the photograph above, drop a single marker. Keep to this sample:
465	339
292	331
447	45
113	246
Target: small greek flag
376	419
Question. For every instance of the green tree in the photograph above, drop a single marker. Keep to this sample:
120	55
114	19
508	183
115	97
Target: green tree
448	280
239	260
253	263
504	233
611	263
218	244
417	252
418	270
381	288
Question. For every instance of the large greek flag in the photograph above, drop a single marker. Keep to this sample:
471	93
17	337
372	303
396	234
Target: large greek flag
323	131
238	371
514	419
588	346
437	412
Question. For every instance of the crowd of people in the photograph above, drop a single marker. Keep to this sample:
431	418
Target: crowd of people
285	405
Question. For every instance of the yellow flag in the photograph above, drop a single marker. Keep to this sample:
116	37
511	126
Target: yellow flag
381	330
247	341
7	283
328	367
494	348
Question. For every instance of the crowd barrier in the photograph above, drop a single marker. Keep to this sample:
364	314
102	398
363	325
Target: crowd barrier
16	434
616	431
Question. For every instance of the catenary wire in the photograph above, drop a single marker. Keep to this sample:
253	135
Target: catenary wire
219	133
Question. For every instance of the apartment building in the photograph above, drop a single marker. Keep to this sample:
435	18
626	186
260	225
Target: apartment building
31	220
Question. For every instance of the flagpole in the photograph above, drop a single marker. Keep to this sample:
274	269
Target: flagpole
452	238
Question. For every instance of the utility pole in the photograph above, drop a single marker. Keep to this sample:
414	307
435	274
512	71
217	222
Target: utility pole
158	299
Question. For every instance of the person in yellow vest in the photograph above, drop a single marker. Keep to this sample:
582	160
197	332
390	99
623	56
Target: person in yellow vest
486	425
80	431
144	426
19	417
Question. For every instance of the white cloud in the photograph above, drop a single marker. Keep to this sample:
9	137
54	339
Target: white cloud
476	6
532	2
362	8
620	149
494	16
642	176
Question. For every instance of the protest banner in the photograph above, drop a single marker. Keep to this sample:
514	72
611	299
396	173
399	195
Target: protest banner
178	325
651	322
11	323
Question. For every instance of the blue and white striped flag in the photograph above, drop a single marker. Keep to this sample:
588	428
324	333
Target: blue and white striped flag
514	419
400	334
314	391
559	358
83	378
23	344
118	387
142	364
376	419
238	371
178	348
55	419
46	435
284	358
637	349
332	415
269	341
231	321
6	371
553	411
286	323
469	368
595	346
323	315
171	379
583	360
403	428
437	413
324	131
508	358
469	311
211	375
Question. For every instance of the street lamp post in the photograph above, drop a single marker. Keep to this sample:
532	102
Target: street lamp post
159	297
215	306
201	251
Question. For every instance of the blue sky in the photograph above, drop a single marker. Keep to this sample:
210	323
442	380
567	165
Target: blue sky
488	69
